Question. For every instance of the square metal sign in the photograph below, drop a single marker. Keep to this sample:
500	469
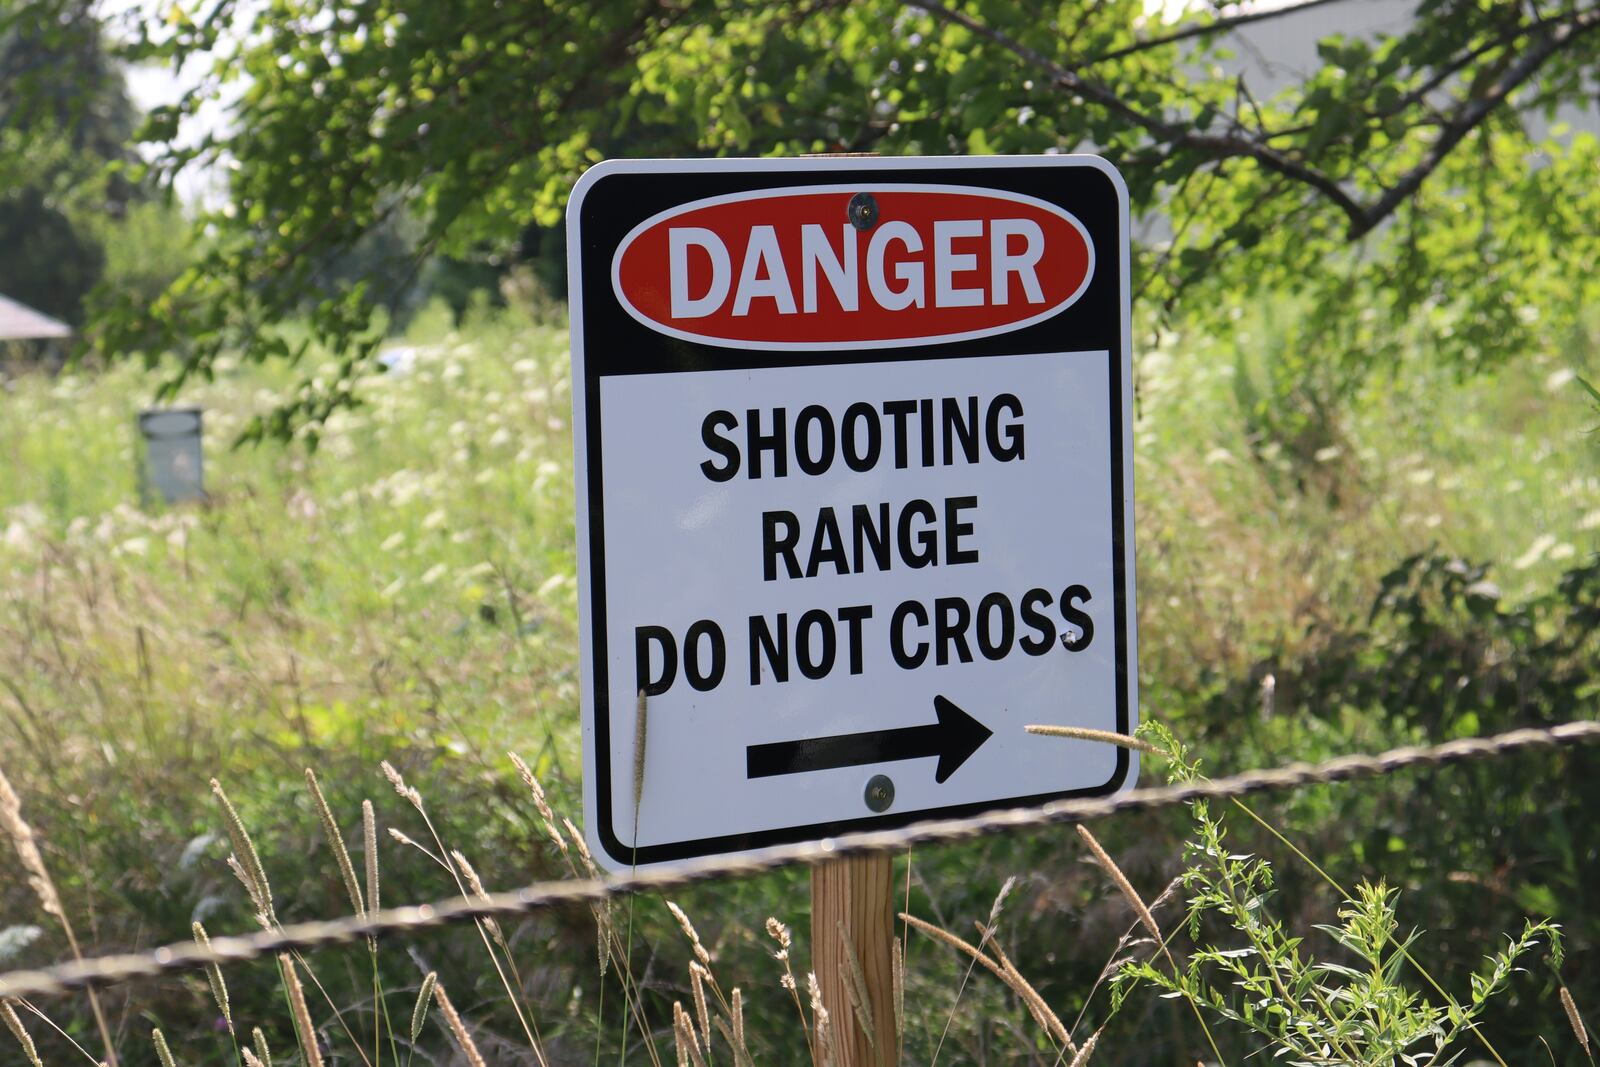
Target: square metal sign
855	493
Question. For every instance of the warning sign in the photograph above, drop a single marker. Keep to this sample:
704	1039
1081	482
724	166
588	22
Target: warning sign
855	493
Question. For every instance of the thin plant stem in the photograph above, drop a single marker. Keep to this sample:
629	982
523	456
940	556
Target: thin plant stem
288	1007
382	999
950	1018
640	739
51	1023
530	1030
1142	911
355	1042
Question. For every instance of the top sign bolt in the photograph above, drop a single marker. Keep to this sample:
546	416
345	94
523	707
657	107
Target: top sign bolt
863	211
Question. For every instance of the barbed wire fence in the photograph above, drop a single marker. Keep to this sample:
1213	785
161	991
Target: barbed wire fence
113	970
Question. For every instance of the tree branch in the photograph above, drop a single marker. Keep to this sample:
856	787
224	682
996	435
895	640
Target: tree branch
1173	134
1362	218
1204	29
1471	115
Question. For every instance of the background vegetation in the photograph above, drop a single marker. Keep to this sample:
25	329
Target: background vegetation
406	593
1369	506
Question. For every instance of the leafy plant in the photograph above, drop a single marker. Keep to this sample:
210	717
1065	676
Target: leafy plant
1360	1010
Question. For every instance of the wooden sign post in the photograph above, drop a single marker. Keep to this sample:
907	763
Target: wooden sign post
853	449
852	916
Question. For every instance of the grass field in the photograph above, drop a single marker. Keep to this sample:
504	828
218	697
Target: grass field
406	592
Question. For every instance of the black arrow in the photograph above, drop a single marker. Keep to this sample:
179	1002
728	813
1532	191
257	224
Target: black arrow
953	738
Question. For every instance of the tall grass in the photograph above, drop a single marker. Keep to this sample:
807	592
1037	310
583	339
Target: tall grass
1248	972
406	593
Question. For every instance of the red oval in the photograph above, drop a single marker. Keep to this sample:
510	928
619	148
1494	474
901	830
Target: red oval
939	264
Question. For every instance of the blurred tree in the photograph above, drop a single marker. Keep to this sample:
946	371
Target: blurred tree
57	74
64	115
1396	180
146	248
49	263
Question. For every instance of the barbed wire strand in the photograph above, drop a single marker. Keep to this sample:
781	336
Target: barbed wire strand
186	957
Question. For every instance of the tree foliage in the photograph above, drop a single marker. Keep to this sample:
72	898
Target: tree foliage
1399	180
57	75
64	116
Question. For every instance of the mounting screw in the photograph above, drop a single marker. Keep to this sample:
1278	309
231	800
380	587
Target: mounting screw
863	211
880	792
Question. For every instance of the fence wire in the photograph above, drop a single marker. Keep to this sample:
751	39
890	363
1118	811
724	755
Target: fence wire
540	896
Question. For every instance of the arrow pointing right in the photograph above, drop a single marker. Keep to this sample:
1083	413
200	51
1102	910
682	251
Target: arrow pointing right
953	738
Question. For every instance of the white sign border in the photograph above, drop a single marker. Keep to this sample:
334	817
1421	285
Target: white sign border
1128	763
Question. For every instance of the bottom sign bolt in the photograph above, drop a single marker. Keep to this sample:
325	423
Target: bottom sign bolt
880	792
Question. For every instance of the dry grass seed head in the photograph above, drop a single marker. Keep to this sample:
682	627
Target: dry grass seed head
458	1029
779	933
27	846
246	858
855	988
341	854
1015	982
602	911
475	888
9	1012
419	1014
898	975
700	952
556	837
299	1012
697	986
683	1033
406	793
1082	1058
1579	1031
369	844
999	903
400	838
539	802
1037	1006
641	734
219	988
938	933
602	937
469	875
738	1025
526	774
250	1058
163	1053
1121	881
1080	733
582	846
263	1053
819	1020
250	889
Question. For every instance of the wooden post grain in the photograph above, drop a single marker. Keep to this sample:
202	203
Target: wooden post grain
855	895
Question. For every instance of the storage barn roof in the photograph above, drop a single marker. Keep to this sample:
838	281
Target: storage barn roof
18	322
